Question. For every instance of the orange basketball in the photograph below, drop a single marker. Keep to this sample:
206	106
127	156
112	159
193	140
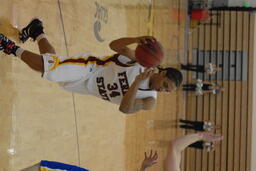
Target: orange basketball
150	54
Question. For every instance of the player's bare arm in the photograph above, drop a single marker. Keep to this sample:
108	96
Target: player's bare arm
129	103
173	158
120	45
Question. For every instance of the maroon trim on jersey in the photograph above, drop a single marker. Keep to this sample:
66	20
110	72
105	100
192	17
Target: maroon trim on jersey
98	61
117	62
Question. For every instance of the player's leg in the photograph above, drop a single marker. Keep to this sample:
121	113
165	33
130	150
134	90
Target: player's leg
186	127
186	121
189	88
193	127
35	31
196	68
49	65
202	145
198	125
188	85
194	123
197	145
59	73
33	60
45	46
200	68
187	67
173	158
185	85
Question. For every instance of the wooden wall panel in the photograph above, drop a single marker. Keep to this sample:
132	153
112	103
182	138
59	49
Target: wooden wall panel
232	108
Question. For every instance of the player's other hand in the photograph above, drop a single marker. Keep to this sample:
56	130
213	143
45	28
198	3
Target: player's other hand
144	75
149	160
145	39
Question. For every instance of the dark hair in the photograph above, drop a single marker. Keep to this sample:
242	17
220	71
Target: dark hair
173	74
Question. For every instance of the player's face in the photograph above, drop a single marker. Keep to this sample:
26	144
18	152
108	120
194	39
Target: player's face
162	83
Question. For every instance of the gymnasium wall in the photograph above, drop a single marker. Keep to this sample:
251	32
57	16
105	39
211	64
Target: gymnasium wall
253	145
226	39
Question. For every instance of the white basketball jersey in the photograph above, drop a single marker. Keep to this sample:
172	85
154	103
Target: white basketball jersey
112	81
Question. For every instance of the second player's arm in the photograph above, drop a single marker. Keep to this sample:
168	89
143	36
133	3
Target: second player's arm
173	158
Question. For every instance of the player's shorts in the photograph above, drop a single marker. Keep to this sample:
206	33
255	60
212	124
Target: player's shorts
80	67
56	166
67	69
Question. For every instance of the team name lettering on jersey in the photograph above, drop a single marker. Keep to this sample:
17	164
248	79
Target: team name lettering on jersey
101	88
123	81
112	88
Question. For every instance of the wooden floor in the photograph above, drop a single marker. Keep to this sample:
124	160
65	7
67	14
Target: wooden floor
154	129
39	120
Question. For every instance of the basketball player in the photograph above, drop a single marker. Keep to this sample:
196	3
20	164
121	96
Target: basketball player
202	145
117	78
208	68
203	87
198	125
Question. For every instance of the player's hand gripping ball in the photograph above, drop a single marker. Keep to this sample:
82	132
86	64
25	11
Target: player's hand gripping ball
149	52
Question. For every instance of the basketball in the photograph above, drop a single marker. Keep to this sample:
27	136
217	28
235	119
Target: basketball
150	54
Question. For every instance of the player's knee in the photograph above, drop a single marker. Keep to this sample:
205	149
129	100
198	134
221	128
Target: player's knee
124	110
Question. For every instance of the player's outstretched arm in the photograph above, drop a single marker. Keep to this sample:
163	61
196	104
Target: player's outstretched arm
129	103
173	158
120	45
